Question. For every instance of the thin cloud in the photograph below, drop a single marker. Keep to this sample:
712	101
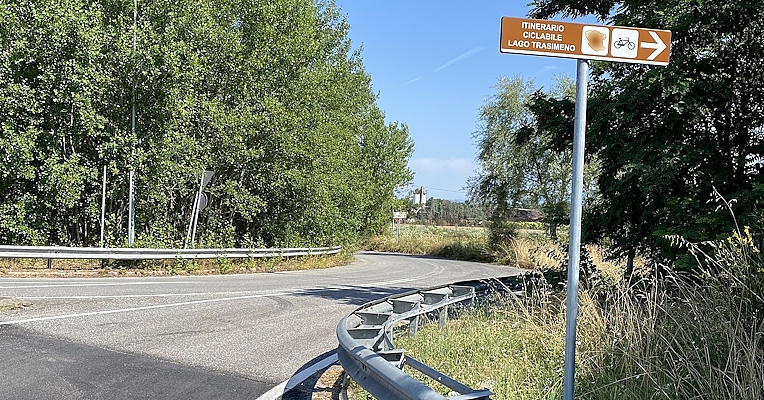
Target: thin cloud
461	57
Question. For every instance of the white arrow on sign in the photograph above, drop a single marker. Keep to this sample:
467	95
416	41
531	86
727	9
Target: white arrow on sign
659	46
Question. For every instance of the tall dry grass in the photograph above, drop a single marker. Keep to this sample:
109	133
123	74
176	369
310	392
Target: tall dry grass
461	243
670	337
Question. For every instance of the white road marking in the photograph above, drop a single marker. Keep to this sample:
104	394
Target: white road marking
123	310
385	283
131	296
95	284
185	303
296	379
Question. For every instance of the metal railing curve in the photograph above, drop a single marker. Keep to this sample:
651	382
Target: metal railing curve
367	352
100	253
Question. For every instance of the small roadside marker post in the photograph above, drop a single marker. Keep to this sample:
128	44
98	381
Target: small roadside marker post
583	42
399	216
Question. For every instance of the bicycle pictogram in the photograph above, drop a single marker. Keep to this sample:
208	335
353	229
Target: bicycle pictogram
624	42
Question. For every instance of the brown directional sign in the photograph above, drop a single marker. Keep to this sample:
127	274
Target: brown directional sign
591	42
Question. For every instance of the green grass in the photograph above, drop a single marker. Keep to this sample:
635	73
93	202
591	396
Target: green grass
494	348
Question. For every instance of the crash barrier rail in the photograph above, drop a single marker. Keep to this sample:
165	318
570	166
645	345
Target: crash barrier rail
100	253
368	355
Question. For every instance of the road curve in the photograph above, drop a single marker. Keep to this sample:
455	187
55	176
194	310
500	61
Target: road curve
197	337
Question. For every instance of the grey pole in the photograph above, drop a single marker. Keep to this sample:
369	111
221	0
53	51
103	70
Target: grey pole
574	250
191	220
131	212
103	204
196	209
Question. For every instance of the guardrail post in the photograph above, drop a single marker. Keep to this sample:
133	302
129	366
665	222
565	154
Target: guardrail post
414	326
443	317
50	263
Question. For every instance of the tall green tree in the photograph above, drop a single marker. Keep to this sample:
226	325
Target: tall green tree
667	137
266	93
520	165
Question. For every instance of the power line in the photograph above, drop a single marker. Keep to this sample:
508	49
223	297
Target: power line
445	190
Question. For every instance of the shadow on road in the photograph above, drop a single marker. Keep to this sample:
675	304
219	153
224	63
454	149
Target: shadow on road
354	295
417	256
36	366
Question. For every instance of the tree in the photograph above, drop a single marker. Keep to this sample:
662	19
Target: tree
520	167
667	136
446	212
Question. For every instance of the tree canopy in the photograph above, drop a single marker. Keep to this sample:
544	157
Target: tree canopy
521	166
668	137
266	93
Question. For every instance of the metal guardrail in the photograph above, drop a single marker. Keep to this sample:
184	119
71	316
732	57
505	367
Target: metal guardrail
368	354
99	253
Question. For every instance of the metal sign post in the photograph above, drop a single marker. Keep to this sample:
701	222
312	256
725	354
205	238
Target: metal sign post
399	216
131	212
198	205
103	204
574	249
584	42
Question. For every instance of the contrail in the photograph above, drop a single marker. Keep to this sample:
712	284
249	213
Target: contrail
455	60
412	81
461	57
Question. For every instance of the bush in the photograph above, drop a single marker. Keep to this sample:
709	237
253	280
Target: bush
501	233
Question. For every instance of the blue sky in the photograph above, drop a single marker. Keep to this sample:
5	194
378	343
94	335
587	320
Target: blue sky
433	64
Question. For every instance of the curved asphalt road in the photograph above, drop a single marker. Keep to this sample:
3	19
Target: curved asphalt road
198	337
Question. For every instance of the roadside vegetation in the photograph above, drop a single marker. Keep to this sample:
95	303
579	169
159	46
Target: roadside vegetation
468	243
659	334
459	243
675	336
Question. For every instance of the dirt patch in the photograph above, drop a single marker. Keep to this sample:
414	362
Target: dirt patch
11	303
329	384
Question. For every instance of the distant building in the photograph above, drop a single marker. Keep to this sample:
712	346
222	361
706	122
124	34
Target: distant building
420	196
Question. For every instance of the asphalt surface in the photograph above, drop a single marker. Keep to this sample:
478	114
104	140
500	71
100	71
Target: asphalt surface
199	337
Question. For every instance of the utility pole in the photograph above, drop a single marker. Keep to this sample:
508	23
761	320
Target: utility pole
103	204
